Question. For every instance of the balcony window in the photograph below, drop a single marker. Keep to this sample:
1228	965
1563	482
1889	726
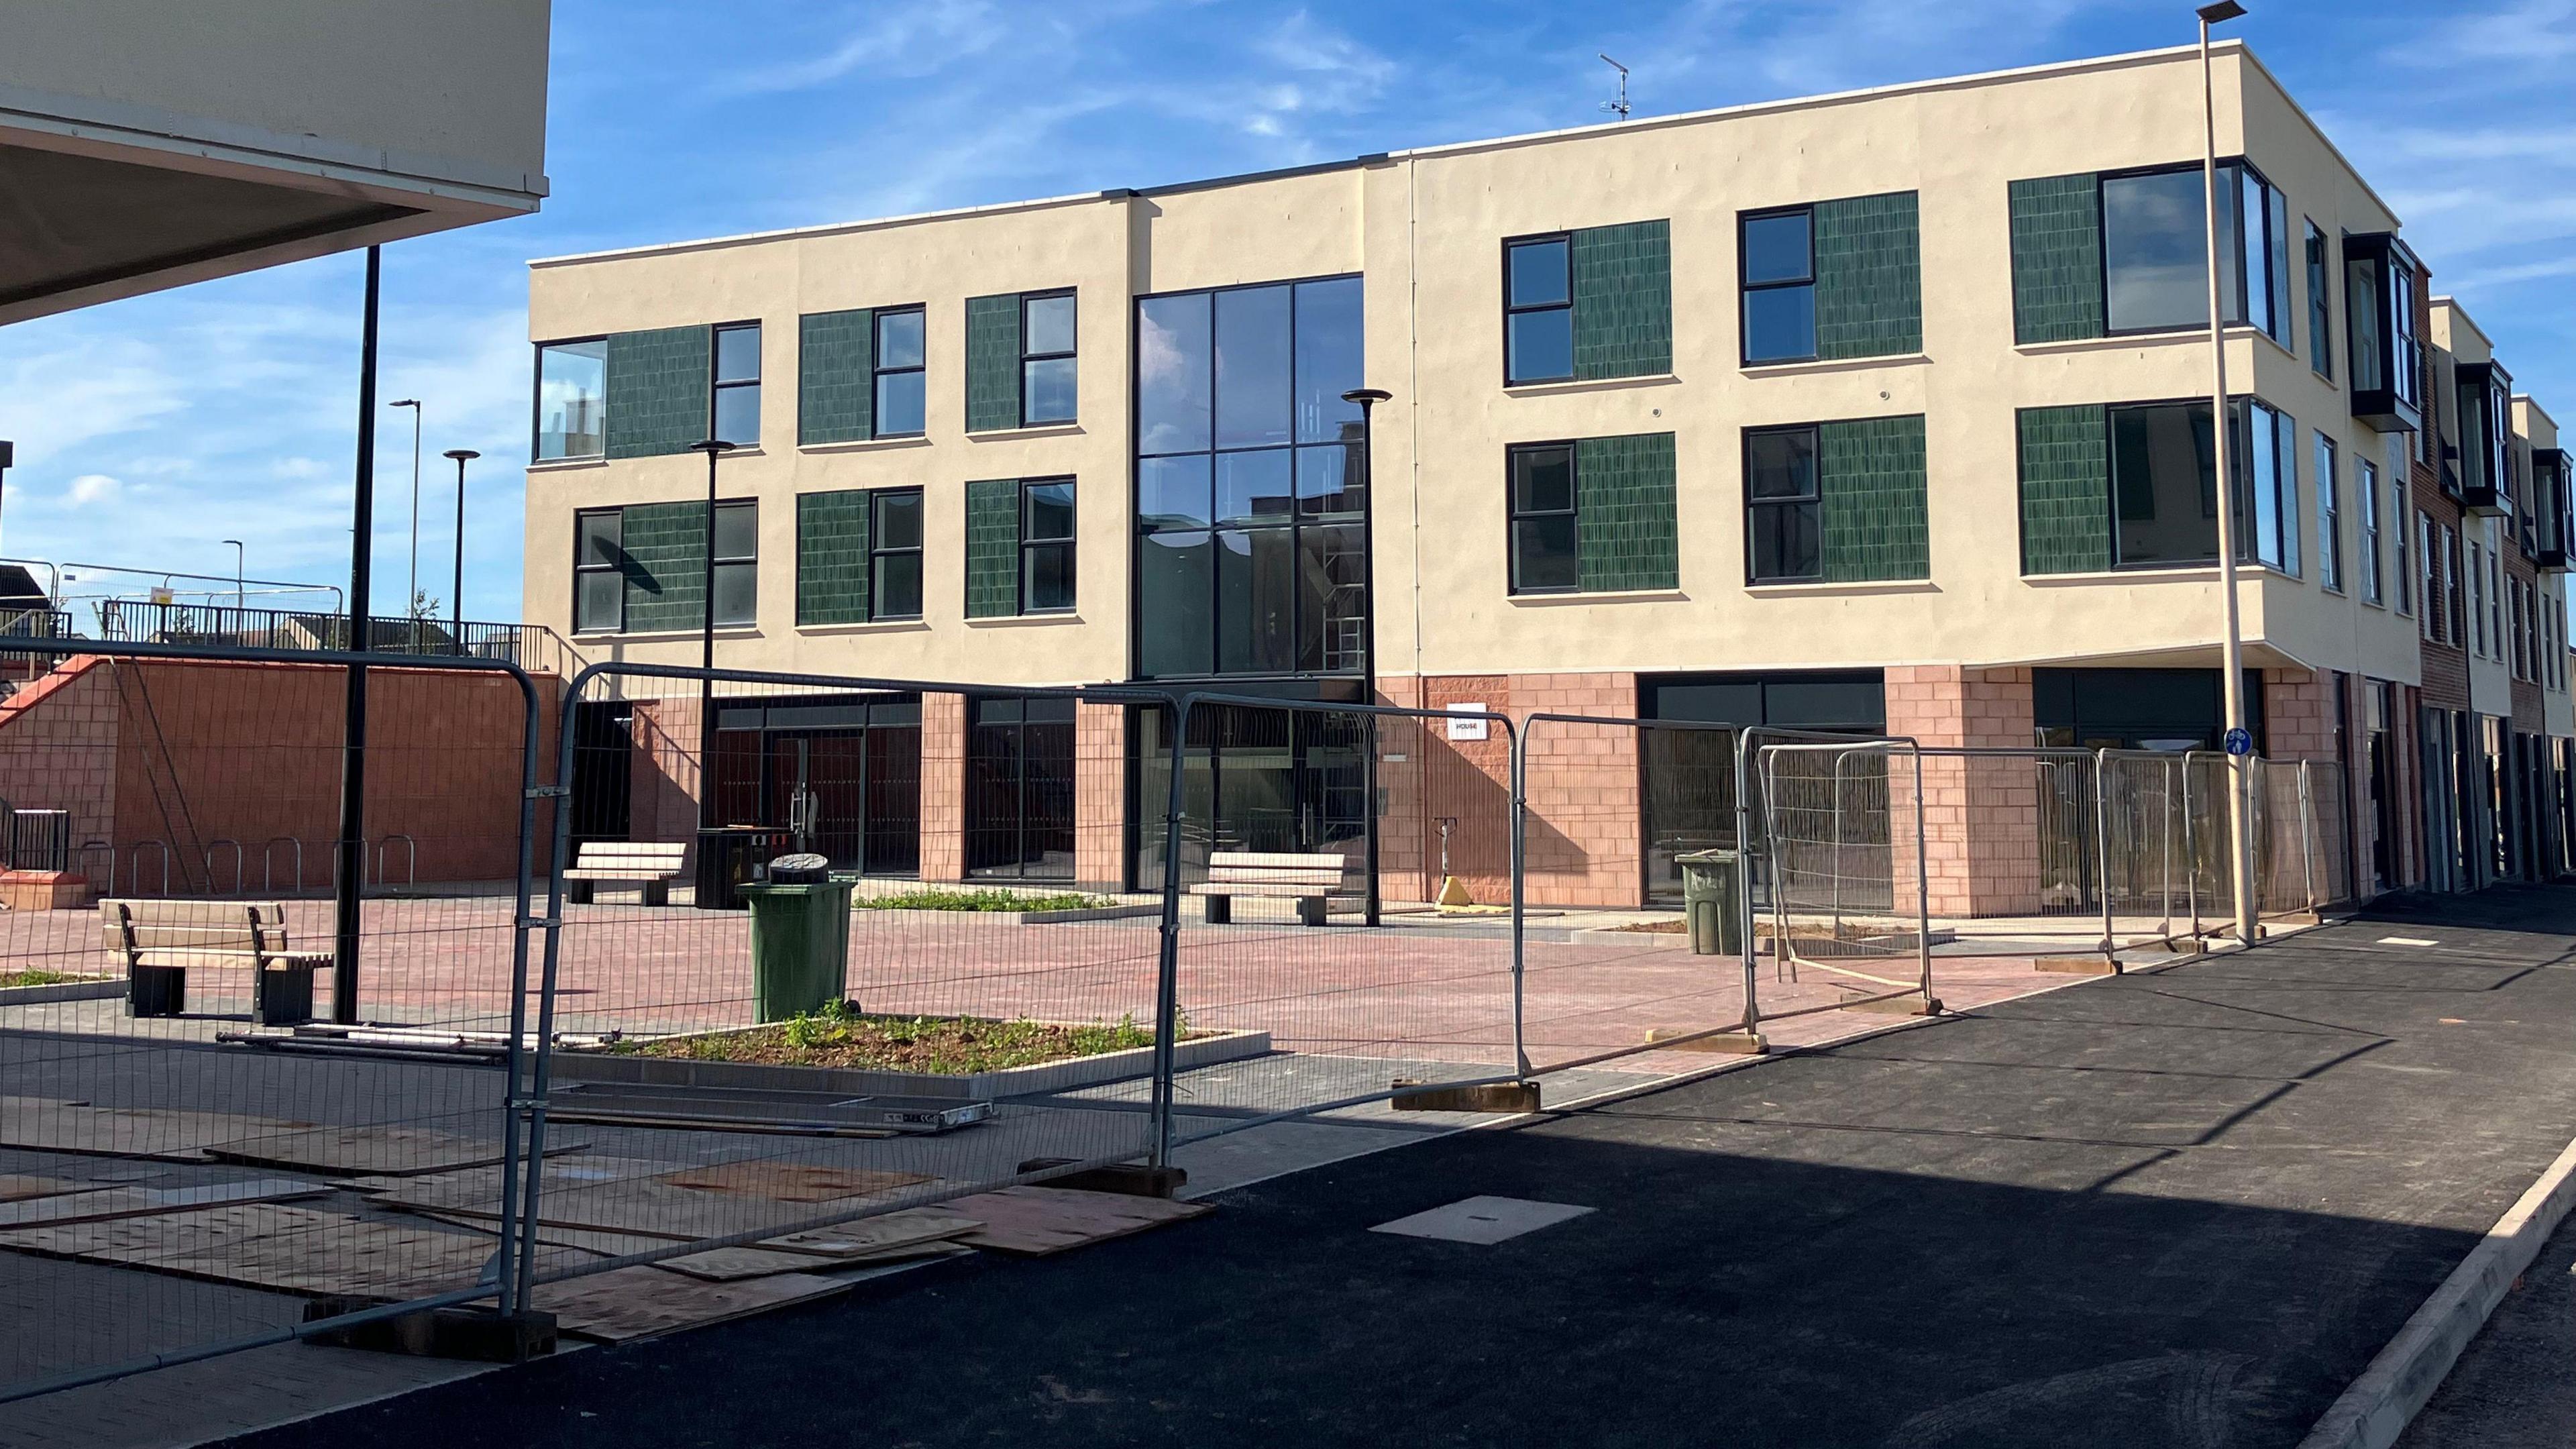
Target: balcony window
2155	248
2485	393
2385	355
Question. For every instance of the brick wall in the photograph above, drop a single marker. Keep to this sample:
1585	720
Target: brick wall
1981	816
1100	794
943	787
662	779
196	754
1584	831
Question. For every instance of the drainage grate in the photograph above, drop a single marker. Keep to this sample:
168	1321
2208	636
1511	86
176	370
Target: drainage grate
1482	1220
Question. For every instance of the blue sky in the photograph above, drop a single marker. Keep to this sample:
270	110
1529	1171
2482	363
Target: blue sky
149	429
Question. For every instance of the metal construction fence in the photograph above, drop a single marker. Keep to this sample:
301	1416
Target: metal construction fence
808	950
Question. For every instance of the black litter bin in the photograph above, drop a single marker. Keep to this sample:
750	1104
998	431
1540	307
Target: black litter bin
729	858
1712	903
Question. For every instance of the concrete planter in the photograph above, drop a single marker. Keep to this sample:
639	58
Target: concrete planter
43	890
1057	1076
107	990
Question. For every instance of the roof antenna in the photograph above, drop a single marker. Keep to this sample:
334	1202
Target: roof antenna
1618	107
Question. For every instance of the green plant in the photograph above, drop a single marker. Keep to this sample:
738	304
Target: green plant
35	976
985	898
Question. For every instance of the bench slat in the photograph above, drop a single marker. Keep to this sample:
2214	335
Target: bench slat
1276	858
1223	888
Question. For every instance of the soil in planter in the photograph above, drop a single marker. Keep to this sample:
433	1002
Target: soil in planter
986	899
946	1045
42	978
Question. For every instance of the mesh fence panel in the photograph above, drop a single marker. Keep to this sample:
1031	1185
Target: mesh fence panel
1843	824
944	1009
207	1075
1273	936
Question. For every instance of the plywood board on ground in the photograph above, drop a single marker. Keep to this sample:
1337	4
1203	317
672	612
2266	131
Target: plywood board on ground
893	1237
280	1247
100	1204
379	1151
631	1303
1036	1221
50	1125
854	1241
625	1202
793	1181
18	1187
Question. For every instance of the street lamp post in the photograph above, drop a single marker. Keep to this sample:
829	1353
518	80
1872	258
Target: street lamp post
2240	822
1368	398
714	448
456	604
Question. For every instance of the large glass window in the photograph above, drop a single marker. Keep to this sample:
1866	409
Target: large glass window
1538	310
899	409
1046	545
1046	358
734	411
2271	454
1249	481
894	553
2164	485
2155	248
1782	500
2329	516
737	571
598	571
1544	559
1779	265
572	400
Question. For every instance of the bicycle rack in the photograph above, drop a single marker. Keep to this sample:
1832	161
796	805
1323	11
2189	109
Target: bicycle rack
411	860
267	863
239	864
134	858
86	847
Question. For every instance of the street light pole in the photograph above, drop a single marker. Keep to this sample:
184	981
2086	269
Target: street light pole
1368	398
714	448
2240	821
456	605
411	601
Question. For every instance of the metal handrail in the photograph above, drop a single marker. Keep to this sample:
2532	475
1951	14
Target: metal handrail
267	872
240	864
85	847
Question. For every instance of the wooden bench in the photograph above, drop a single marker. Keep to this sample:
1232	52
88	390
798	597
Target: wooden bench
1314	882
647	863
160	940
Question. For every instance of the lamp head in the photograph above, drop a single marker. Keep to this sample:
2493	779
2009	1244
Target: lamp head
712	446
409	402
1364	396
2223	10
461	454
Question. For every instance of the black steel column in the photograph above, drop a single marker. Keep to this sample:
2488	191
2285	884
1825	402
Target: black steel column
1368	398
353	756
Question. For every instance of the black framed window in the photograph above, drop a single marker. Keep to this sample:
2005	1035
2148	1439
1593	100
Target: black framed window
2329	478
2155	250
894	553
2164	485
900	404
1046	545
2320	303
1047	371
2365	491
1538	309
1251	553
1544	536
2269	442
1778	262
598	574
737	558
1783	498
2403	562
1020	788
572	400
733	412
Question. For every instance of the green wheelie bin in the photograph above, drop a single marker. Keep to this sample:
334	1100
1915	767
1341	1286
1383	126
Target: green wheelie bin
1712	901
800	938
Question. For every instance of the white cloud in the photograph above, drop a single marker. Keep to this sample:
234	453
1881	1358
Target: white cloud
919	38
93	488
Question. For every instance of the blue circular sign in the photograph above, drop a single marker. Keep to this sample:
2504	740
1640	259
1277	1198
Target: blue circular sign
2240	742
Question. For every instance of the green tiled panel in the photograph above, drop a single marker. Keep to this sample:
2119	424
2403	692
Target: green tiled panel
1623	300
2057	259
657	391
2065	490
666	550
1873	515
992	362
1626	532
992	548
1869	276
834	380
832	557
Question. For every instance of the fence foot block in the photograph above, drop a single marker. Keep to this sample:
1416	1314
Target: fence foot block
483	1335
1727	1043
2077	965
1899	1006
1134	1179
1413	1096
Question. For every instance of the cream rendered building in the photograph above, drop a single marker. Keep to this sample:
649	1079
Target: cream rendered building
1866	411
